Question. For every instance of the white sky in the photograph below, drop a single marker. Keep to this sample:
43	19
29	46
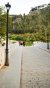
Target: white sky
22	6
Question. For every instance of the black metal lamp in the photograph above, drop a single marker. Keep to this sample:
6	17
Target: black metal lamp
6	58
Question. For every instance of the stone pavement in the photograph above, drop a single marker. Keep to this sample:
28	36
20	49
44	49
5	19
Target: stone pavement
41	45
10	76
35	70
29	67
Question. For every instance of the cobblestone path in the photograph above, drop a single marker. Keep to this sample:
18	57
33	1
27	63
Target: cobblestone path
35	69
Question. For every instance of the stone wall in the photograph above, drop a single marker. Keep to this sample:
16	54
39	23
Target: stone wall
2	56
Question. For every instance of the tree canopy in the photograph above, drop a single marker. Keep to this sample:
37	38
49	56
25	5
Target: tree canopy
36	22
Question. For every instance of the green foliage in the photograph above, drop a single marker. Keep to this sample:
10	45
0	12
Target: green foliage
2	22
29	28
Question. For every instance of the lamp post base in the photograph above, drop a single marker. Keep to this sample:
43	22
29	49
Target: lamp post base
6	64
6	58
47	45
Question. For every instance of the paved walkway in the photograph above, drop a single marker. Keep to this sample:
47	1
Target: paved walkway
10	76
41	45
29	67
35	68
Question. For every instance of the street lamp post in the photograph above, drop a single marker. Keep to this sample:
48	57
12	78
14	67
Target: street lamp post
6	58
47	41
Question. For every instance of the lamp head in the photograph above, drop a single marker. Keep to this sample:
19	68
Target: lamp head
8	6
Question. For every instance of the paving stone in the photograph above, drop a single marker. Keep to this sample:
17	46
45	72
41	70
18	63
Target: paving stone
35	68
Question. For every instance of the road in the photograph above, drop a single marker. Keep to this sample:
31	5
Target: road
35	71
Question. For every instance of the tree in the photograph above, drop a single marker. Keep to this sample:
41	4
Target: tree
2	21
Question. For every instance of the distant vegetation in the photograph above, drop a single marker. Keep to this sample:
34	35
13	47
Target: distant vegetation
32	27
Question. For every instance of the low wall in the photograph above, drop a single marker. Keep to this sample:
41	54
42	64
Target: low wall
2	56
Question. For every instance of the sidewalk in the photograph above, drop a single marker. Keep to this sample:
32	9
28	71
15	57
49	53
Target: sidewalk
10	76
2	51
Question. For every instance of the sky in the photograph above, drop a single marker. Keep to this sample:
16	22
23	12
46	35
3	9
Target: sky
22	6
